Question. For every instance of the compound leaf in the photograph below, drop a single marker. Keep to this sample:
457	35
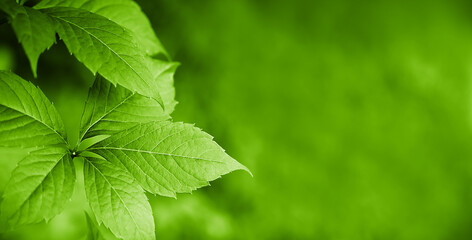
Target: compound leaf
117	200
105	47
167	157
34	30
123	12
39	186
27	117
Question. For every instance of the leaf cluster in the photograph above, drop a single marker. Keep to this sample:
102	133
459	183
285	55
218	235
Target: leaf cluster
127	140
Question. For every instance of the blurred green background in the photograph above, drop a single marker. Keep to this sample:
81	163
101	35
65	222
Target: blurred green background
354	117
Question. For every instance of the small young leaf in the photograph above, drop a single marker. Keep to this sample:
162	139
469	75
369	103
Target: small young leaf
123	12
39	186
27	119
167	157
117	200
86	143
34	30
105	47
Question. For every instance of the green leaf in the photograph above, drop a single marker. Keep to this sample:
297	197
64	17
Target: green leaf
117	200
34	30
27	117
43	181
10	7
86	143
105	47
96	231
123	12
39	187
167	157
110	109
163	73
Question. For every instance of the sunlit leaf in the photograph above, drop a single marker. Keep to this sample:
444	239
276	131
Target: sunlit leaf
96	231
123	12
39	187
117	200
27	119
105	47
110	109
167	157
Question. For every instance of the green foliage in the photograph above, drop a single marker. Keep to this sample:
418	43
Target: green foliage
28	119
123	12
104	47
117	200
127	141
110	109
167	157
34	30
97	231
39	187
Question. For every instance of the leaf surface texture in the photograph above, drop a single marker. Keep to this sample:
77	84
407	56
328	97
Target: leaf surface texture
27	117
117	200
34	30
123	12
105	47
39	187
167	157
110	109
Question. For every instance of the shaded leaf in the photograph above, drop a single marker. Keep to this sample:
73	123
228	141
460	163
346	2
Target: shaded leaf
163	73
35	32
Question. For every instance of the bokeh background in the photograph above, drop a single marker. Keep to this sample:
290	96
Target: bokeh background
355	118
